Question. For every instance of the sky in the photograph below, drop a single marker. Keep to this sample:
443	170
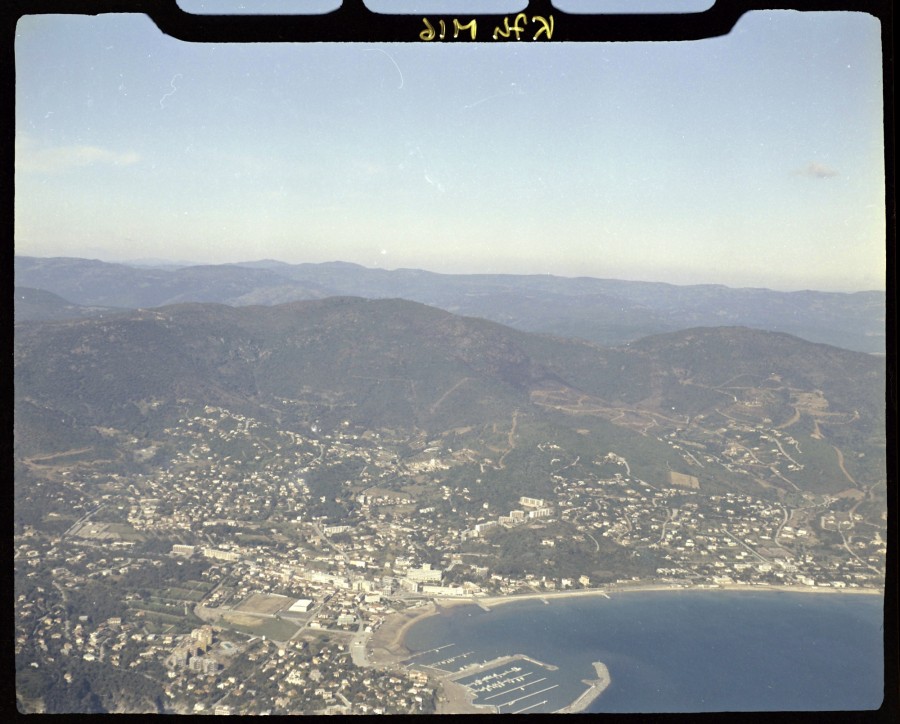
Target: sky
751	160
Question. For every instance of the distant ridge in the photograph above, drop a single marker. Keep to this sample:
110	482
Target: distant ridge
39	304
605	311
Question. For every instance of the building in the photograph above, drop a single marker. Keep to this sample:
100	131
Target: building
425	574
178	659
487	525
527	502
444	590
301	605
203	637
183	550
220	555
508	520
204	664
329	578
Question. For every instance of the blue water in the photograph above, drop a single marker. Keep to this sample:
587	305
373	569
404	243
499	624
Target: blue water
679	651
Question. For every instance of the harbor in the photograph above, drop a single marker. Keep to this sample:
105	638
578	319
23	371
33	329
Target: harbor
507	684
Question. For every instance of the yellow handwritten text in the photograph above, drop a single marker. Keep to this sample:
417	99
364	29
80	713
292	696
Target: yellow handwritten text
519	25
428	33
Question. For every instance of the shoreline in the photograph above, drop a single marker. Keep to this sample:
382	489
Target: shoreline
386	648
492	601
391	636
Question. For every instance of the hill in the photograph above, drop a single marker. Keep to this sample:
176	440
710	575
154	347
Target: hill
605	311
38	304
696	402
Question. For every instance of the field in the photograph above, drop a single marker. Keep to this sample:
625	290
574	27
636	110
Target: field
97	531
683	481
264	603
243	619
277	629
123	531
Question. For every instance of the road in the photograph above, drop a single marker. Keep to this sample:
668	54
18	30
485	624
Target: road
787	517
740	542
847	547
358	645
670	518
82	520
840	458
330	544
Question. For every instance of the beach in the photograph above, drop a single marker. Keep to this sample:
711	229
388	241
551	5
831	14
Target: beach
489	602
386	647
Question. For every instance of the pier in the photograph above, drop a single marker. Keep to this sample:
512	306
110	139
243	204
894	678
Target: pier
595	688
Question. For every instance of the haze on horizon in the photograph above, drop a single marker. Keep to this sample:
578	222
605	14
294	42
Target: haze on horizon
752	160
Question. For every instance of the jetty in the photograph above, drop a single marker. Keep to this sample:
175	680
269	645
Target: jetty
595	688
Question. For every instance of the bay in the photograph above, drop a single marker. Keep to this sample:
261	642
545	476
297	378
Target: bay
676	651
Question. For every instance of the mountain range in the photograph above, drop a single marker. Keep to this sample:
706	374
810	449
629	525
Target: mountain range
406	366
605	311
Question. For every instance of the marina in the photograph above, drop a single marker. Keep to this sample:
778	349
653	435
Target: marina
513	683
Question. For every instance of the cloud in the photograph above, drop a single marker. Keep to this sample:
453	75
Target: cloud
814	169
31	158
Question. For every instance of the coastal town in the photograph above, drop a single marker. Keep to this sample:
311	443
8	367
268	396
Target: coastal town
236	567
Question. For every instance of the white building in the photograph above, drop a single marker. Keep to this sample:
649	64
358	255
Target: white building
220	555
301	606
527	502
425	574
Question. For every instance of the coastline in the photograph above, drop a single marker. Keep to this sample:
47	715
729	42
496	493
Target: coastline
386	648
492	601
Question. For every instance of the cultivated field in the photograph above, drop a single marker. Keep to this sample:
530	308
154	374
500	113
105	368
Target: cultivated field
683	481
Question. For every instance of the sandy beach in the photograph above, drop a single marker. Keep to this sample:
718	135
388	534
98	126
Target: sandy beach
386	647
493	601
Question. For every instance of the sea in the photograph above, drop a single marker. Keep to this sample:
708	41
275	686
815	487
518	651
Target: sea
666	651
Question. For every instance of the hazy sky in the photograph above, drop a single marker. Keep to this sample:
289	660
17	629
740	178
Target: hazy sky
750	160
